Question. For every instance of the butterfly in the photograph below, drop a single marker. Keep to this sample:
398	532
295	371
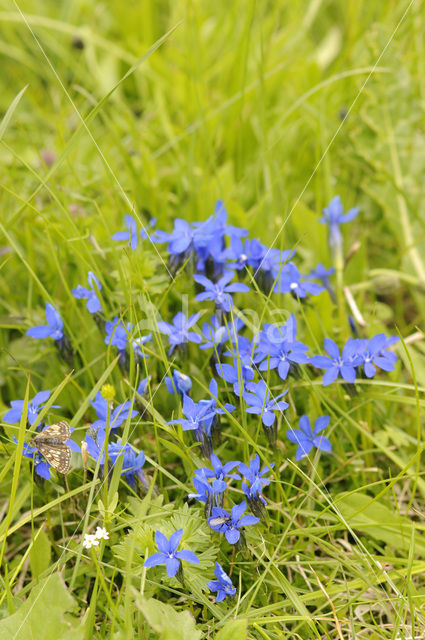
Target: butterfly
51	444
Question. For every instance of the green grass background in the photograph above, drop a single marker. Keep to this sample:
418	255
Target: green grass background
274	107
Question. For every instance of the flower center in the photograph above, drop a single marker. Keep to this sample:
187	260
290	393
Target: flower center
293	285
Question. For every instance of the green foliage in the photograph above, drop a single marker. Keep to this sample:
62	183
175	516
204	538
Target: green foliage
44	614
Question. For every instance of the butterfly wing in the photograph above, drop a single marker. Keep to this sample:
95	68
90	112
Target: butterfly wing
59	432
57	455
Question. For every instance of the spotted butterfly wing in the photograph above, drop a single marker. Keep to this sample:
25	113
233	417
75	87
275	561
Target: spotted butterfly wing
51	444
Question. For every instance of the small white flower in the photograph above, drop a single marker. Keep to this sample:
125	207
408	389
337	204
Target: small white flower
90	540
101	533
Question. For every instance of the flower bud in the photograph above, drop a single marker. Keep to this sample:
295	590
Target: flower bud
84	454
108	392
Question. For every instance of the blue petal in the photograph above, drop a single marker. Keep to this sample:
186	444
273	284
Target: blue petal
155	559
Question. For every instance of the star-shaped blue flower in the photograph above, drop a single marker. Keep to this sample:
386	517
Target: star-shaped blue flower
168	553
306	438
223	585
260	403
53	329
229	524
117	416
178	332
220	291
130	235
93	302
34	407
338	364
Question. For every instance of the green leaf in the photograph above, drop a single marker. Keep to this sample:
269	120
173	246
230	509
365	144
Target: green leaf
165	620
234	630
9	113
43	614
40	554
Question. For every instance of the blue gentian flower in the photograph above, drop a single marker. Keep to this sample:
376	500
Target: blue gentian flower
374	353
281	355
195	415
180	382
255	478
143	386
53	329
203	489
34	407
323	274
336	364
217	334
219	472
289	281
42	467
117	334
306	438
238	376
132	463
260	403
130	235
178	332
229	524
220	291
237	253
180	240
138	344
117	415
168	553
144	231
223	585
333	215
93	302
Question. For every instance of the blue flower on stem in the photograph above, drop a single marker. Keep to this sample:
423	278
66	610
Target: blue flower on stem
374	353
143	386
260	403
132	461
306	438
229	524
117	415
195	415
217	334
34	407
42	467
237	375
180	240
238	253
130	235
219	472
53	329
256	481
117	336
333	216
93	303
220	291
179	382
178	332
289	281
281	356
168	553
223	585
336	364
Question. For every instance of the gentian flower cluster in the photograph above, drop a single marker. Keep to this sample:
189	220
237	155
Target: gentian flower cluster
249	360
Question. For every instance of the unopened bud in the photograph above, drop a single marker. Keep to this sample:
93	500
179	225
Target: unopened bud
108	392
84	454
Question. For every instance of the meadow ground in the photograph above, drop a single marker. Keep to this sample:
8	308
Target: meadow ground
158	110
